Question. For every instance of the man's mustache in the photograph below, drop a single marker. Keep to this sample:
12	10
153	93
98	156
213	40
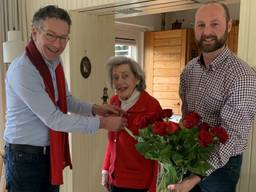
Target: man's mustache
204	37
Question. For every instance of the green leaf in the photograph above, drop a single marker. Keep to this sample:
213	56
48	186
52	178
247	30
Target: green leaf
200	167
177	158
165	154
143	147
145	133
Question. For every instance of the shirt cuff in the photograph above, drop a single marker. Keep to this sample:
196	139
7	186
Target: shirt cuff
104	172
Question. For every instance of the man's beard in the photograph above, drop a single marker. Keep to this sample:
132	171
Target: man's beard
217	43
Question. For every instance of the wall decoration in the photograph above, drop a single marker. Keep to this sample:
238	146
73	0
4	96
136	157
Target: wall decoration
85	67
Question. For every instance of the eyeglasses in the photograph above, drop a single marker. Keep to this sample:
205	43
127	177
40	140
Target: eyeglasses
50	36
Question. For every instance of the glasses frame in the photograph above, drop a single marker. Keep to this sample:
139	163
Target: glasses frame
52	37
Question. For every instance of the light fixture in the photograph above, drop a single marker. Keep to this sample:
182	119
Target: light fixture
13	47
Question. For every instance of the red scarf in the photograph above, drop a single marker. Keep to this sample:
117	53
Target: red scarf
59	146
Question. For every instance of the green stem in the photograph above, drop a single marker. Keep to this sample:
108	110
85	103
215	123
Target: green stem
129	132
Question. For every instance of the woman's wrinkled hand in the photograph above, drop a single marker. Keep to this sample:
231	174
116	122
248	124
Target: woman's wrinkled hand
105	181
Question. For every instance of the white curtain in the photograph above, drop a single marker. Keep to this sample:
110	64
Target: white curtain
12	16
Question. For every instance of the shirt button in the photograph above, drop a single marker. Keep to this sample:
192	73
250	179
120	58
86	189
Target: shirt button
114	140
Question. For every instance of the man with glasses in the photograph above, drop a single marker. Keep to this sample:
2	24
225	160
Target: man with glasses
38	100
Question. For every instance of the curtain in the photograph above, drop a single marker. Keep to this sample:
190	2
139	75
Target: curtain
12	16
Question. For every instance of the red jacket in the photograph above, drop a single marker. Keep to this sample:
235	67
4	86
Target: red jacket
126	167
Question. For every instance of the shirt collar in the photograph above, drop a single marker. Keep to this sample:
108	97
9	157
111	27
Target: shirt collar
52	64
217	62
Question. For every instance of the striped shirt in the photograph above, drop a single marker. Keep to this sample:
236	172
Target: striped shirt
223	93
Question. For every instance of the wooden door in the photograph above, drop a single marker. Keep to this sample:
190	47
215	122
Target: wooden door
232	41
91	36
165	57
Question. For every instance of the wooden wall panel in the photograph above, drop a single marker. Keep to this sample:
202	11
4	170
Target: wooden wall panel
173	95
148	59
233	39
165	87
168	53
167	42
167	57
164	80
160	72
168	34
162	63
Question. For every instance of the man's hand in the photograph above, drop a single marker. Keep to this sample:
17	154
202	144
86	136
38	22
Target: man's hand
113	123
106	110
186	185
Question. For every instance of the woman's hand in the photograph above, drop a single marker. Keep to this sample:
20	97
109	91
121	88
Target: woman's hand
186	185
105	181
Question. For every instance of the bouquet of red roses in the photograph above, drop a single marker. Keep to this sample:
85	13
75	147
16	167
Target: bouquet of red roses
180	149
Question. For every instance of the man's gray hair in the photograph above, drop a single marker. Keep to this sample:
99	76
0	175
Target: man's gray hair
50	11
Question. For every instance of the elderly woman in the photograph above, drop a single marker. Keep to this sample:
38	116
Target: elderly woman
124	169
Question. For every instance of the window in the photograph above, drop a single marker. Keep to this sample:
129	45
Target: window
126	47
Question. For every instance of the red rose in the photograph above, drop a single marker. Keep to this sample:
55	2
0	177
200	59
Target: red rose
166	113
221	133
191	120
159	128
204	138
153	117
171	127
143	121
204	126
140	122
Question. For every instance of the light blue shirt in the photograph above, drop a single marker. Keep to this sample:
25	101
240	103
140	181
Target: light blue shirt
30	112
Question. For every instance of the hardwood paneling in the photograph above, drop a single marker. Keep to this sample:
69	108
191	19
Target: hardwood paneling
173	95
167	57
168	80
166	72
149	59
167	42
168	34
169	64
167	49
165	87
168	103
233	39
